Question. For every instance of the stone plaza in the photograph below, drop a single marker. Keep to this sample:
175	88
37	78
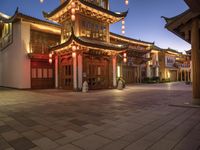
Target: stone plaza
138	118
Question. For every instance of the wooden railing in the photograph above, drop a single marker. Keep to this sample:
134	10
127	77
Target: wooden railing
5	41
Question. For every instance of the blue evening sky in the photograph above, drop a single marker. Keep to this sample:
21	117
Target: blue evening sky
143	22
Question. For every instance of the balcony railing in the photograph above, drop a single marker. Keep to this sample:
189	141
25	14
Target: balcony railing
5	41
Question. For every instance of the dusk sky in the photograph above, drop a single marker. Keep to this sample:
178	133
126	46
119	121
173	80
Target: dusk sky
143	22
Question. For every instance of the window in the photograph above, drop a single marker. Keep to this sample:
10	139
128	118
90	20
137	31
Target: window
95	30
45	75
34	73
39	72
50	73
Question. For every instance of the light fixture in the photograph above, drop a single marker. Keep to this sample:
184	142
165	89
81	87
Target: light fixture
118	71
74	48
126	2
73	17
74	54
123	26
50	58
41	1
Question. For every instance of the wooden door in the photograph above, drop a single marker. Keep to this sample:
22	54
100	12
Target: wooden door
42	74
67	73
97	73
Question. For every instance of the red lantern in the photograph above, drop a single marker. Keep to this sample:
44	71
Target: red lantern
125	60
125	55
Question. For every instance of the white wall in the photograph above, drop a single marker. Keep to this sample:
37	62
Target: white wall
15	65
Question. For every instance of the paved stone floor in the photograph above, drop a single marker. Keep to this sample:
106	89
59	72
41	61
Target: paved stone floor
137	118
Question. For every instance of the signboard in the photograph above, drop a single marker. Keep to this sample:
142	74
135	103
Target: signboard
169	61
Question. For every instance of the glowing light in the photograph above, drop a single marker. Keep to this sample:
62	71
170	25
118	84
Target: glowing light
125	55
126	2
73	11
74	54
41	1
73	48
73	17
50	61
50	55
125	60
123	26
118	71
73	4
123	22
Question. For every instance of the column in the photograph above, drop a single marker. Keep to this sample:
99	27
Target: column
75	71
80	71
114	62
56	72
59	72
177	75
157	65
185	76
188	72
181	75
148	71
191	72
195	40
140	74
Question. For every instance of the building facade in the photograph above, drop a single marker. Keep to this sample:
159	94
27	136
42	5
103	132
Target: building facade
78	47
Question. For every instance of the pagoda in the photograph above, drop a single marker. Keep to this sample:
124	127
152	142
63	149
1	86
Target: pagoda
85	52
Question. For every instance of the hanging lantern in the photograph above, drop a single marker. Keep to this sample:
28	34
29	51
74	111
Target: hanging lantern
50	58
123	26
125	60
73	17
125	57
74	54
73	5
123	31
73	11
126	2
74	48
123	22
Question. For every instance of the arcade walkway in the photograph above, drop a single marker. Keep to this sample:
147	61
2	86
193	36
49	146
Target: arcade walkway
140	117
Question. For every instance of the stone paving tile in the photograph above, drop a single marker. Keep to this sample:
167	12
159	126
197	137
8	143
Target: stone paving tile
22	144
137	117
11	135
78	122
53	135
91	142
188	144
45	144
139	145
163	144
113	133
5	128
32	135
4	144
68	147
115	145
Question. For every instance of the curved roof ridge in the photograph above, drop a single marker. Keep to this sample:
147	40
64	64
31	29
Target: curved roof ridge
130	38
91	42
116	14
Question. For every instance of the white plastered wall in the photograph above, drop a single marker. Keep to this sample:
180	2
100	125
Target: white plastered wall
14	63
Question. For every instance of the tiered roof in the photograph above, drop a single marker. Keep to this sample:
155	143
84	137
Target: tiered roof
89	43
86	8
